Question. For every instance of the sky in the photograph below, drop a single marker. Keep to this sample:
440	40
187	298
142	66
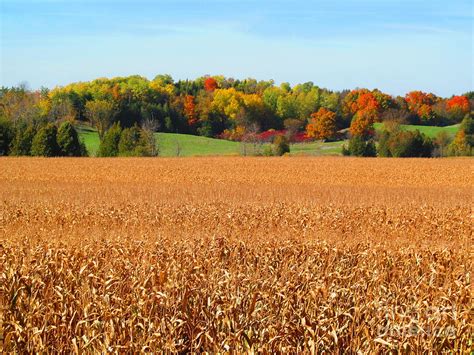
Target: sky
393	45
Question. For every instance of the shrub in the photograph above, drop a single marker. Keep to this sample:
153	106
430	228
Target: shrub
359	147
268	151
68	141
406	144
403	144
110	142
281	145
45	142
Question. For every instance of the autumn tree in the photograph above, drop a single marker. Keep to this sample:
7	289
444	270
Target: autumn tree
101	114
19	104
228	102
458	107
322	125
463	143
210	84
293	126
365	107
359	100
362	124
62	108
421	104
190	110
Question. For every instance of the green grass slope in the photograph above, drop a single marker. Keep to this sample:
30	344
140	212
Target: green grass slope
174	144
317	148
186	145
90	138
430	131
170	144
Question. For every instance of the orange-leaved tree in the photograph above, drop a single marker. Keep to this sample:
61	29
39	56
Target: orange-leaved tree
362	104
459	104
358	100
210	84
322	124
422	104
190	109
362	124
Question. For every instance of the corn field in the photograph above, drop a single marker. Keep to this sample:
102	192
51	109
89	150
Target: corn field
236	255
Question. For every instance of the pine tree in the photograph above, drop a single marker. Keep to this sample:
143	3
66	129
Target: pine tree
45	142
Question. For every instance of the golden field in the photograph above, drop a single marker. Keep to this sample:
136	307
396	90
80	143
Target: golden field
236	255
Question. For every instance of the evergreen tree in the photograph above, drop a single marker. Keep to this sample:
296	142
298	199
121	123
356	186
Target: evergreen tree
110	142
146	145
68	141
129	141
6	136
45	142
24	135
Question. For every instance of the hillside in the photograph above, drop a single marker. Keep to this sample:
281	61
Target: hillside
430	131
175	144
172	144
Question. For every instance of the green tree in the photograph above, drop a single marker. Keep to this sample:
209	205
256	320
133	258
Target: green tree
6	136
24	134
403	144
129	140
45	142
359	147
68	141
463	143
135	141
110	142
383	148
146	145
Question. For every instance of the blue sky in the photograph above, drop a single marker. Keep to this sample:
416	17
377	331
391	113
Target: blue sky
393	45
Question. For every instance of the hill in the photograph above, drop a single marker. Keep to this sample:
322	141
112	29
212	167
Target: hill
430	131
175	144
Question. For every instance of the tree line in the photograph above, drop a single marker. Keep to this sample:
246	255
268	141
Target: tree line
239	110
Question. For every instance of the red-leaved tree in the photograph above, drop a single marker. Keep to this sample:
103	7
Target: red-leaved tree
210	84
